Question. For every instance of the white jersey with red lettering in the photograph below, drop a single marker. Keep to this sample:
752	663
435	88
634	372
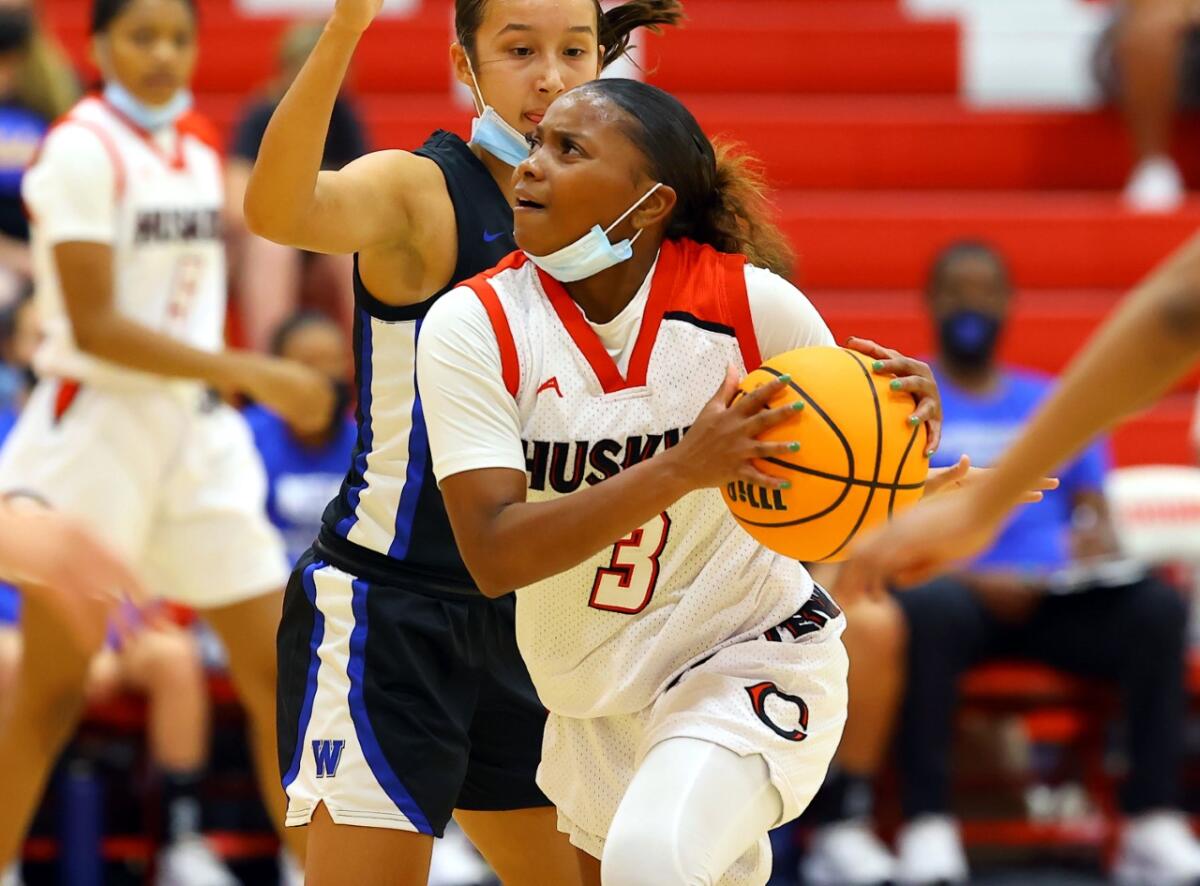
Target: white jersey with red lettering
157	201
687	627
161	469
607	636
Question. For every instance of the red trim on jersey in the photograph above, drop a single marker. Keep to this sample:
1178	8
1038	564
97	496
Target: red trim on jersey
589	344
737	303
68	390
106	141
509	367
177	160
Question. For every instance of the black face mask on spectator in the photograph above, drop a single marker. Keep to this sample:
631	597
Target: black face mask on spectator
16	29
969	337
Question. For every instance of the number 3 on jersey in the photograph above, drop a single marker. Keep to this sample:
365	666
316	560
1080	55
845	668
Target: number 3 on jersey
627	583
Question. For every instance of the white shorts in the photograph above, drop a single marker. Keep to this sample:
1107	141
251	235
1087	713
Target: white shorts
784	699
169	480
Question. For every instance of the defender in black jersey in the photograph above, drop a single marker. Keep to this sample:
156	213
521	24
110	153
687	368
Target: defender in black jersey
436	659
401	693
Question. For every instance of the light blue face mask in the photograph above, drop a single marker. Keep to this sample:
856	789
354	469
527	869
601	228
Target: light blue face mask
149	117
492	133
591	253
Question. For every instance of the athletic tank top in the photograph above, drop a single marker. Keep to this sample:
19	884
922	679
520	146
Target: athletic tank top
388	523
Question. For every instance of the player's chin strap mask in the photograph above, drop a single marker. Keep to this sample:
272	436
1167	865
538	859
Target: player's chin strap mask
150	117
492	133
591	253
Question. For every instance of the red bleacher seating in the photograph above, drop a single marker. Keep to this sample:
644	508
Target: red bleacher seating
854	109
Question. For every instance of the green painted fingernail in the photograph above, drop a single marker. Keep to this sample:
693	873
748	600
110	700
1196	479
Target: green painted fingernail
785	378
794	447
877	365
929	453
798	406
895	384
786	485
914	419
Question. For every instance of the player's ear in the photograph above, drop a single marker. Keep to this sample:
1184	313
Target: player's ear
600	63
657	208
462	69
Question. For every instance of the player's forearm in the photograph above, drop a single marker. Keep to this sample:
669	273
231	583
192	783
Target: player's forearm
527	542
282	188
126	343
1140	351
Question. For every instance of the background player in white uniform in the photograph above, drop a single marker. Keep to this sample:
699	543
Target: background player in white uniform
696	681
126	203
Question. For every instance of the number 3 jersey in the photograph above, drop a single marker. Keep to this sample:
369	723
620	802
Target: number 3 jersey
156	199
515	376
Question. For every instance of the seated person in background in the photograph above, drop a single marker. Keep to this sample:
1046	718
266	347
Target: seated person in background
1053	590
161	660
304	471
844	849
1149	52
272	281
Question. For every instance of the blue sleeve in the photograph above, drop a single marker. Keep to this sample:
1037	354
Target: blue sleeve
1087	473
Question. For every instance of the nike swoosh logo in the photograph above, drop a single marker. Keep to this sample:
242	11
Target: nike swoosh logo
491	238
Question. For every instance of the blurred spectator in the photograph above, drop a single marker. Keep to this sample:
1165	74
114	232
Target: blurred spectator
36	86
304	472
1053	590
273	280
1149	50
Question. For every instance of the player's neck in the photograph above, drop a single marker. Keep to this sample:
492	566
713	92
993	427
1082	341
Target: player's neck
973	379
501	172
606	294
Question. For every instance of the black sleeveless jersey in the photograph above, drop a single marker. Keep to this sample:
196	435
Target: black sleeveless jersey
388	523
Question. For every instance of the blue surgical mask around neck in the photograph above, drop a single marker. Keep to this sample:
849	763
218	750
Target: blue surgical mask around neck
591	253
492	132
149	117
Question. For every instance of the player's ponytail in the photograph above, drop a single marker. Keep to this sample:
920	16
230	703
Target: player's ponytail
616	26
720	193
740	217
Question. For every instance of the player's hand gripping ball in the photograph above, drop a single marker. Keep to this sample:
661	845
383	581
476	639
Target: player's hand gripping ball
860	457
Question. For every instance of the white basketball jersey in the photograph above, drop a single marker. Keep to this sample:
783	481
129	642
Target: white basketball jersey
609	635
168	253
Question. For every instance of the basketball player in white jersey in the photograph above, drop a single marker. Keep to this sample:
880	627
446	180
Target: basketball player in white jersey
123	430
695	680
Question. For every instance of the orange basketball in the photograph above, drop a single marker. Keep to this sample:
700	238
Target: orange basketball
860	458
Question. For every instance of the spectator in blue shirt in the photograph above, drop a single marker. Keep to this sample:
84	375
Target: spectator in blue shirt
304	472
1053	590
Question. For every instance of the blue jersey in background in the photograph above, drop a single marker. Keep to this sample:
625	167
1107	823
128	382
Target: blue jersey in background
301	480
1037	538
10	599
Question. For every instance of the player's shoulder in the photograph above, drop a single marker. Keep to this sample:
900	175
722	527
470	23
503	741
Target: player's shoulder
196	126
80	131
395	169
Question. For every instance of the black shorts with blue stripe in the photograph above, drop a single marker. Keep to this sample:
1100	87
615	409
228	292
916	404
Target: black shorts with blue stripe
397	705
